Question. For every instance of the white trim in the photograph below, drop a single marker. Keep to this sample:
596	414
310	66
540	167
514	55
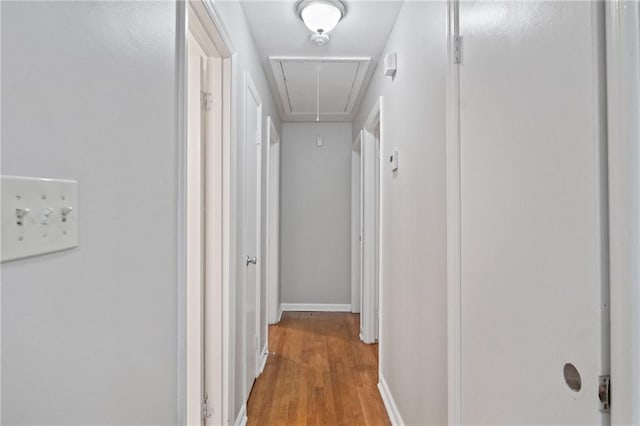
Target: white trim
389	403
195	232
622	22
280	311
316	307
454	307
241	419
272	255
181	243
263	358
372	195
356	219
229	235
222	39
209	24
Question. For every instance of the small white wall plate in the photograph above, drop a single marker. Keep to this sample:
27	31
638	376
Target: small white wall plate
38	216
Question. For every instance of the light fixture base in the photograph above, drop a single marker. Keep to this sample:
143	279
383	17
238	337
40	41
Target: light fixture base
319	39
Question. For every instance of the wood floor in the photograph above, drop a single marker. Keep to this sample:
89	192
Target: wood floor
321	374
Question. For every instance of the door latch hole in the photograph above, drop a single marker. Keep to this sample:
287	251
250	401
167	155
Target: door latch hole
572	377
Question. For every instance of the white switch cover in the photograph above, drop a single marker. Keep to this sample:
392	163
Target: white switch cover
39	216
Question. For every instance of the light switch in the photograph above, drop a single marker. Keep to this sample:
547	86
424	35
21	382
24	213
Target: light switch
39	216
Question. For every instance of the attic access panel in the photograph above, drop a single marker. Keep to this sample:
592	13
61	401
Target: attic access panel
341	83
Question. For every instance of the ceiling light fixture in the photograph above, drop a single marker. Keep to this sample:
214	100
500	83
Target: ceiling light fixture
321	16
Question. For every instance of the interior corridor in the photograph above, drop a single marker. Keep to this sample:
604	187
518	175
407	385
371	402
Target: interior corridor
319	373
320	212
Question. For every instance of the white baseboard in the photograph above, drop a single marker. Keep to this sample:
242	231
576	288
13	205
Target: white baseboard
389	403
263	358
316	307
241	420
280	311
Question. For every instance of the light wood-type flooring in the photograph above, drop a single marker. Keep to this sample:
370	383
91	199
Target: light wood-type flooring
321	374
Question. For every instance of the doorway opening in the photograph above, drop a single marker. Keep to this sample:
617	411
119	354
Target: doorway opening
206	100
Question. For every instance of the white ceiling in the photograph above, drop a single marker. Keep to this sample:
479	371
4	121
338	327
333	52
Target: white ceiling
278	32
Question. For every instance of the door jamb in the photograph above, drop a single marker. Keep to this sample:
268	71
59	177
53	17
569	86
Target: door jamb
454	224
622	25
226	240
356	220
368	308
274	310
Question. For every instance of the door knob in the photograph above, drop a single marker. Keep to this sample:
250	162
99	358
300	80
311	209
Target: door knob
252	260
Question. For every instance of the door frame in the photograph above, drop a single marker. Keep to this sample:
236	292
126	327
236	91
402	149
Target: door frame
219	198
356	224
454	224
249	88
369	253
274	309
622	24
196	229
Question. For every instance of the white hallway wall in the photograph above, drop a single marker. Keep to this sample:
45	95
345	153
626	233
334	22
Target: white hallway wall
89	336
247	60
316	218
413	325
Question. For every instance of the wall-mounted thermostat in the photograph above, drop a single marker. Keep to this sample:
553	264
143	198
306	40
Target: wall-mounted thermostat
390	64
38	216
393	160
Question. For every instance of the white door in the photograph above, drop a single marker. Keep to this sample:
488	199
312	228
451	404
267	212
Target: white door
533	212
252	178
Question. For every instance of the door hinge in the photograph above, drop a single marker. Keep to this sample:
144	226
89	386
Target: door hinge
457	49
206	100
604	393
206	412
257	342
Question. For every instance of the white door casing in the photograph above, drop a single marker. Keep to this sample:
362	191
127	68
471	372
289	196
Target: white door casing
213	238
533	208
623	109
252	225
211	337
356	231
195	229
273	224
370	224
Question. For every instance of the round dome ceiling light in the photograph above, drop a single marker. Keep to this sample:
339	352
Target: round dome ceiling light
321	16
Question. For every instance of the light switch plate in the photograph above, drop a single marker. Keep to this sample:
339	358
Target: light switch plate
39	216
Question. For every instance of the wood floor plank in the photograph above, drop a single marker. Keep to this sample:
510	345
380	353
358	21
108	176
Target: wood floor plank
321	374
